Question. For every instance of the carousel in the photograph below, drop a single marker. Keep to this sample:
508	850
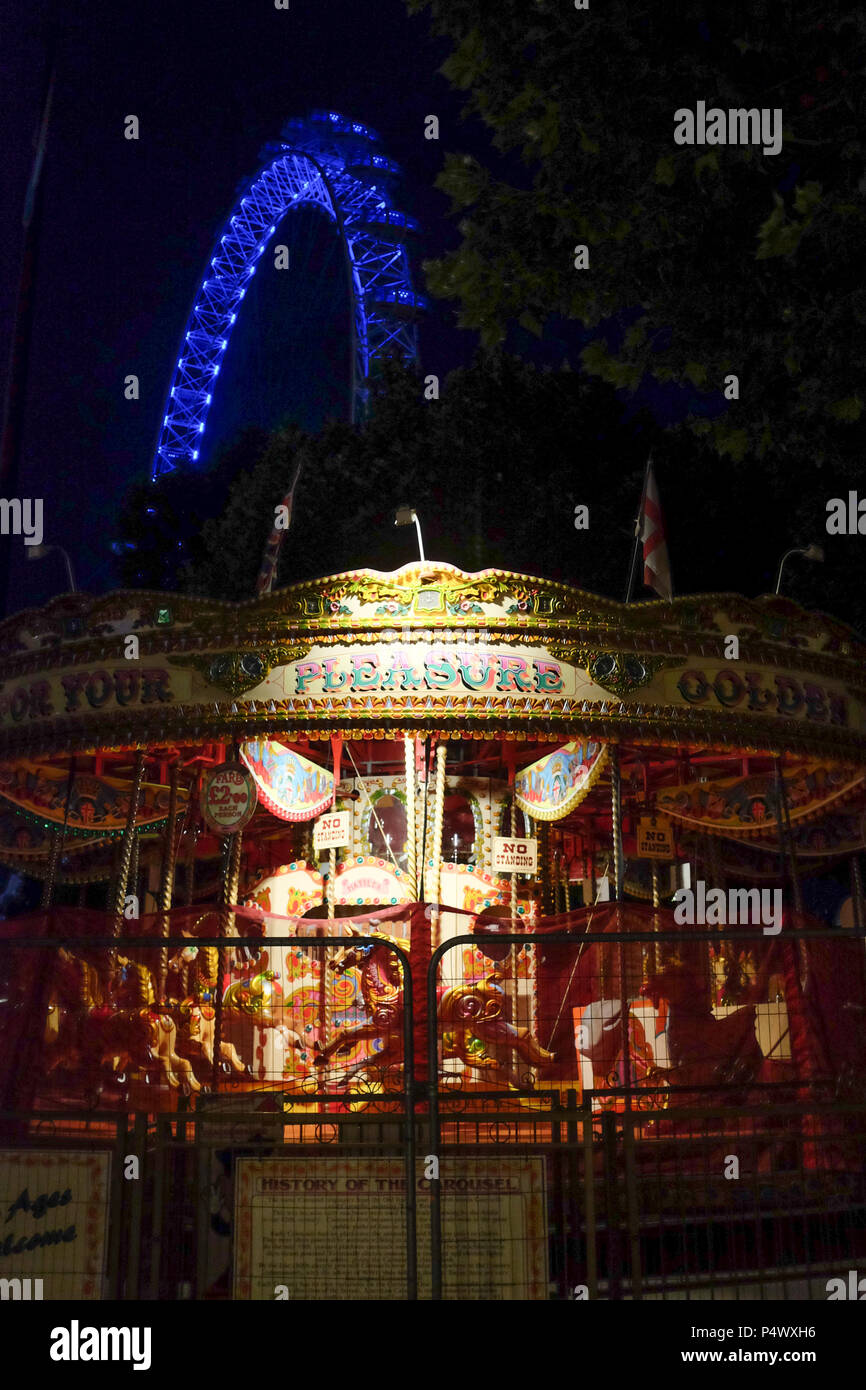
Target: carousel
274	845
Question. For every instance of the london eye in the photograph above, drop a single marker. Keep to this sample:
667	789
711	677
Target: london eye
323	199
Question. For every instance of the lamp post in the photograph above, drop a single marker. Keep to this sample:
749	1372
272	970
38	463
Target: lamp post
405	516
809	552
38	552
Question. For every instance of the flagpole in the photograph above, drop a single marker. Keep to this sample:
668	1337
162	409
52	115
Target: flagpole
637	536
19	358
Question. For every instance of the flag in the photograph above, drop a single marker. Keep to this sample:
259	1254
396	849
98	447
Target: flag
271	553
39	157
651	532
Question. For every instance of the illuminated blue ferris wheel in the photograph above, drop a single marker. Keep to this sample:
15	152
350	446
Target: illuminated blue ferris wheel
334	165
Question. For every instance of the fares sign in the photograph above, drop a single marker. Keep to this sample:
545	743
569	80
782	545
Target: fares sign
228	798
655	838
333	832
514	856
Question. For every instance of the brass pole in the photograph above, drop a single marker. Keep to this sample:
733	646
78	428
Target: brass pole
411	848
616	819
132	882
438	816
656	905
51	871
58	835
166	886
127	843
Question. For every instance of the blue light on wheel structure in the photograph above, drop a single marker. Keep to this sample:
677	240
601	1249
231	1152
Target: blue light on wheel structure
318	166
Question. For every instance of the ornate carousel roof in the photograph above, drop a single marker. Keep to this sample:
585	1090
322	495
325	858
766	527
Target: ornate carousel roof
431	647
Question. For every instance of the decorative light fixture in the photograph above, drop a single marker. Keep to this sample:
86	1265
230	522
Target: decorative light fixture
404	517
809	552
38	552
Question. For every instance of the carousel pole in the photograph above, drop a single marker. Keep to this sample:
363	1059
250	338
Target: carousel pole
616	831
411	848
127	843
166	886
616	820
229	896
332	883
656	906
325	1002
189	881
134	868
58	835
51	870
856	892
786	841
513	876
542	831
422	851
438	819
786	836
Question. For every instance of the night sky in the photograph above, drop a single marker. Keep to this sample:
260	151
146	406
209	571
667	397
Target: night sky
128	226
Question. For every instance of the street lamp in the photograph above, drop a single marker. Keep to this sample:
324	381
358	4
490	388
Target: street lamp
809	552
38	552
405	516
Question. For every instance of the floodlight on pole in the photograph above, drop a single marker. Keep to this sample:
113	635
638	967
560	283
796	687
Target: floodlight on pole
38	552
405	516
809	552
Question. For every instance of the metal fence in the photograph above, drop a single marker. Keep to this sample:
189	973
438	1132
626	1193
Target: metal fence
458	1165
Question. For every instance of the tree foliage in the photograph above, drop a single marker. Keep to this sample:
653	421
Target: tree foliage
495	469
727	259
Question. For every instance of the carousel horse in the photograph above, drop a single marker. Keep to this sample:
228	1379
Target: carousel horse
474	1016
247	1004
382	993
135	987
93	1034
599	1043
704	1050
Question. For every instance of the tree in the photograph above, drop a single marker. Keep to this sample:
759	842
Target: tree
703	261
160	524
495	469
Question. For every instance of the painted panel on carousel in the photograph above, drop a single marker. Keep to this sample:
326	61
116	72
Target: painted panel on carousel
747	805
558	782
289	892
366	881
474	891
289	785
838	833
97	805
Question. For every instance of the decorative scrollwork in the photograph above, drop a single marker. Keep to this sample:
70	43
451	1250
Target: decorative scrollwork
617	672
238	672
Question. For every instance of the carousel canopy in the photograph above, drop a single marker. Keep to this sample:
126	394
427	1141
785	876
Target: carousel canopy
429	647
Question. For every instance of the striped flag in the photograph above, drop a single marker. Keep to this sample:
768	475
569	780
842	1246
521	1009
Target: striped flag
40	142
271	553
651	532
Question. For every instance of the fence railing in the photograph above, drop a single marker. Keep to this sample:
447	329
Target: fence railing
535	1116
